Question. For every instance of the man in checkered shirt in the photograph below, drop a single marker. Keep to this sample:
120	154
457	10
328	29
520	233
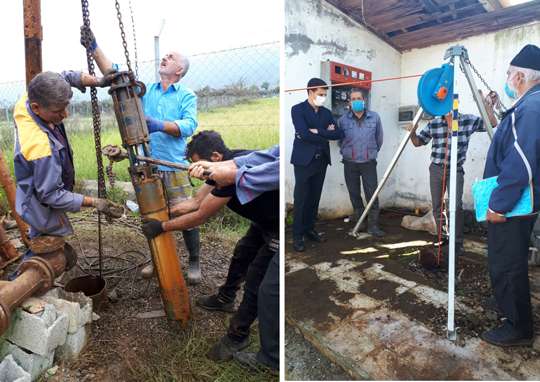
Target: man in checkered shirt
439	132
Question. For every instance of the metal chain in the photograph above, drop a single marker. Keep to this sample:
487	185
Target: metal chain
110	173
96	120
122	34
134	40
499	104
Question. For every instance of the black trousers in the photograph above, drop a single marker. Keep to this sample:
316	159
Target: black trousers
308	186
247	311
356	175
269	315
244	252
508	249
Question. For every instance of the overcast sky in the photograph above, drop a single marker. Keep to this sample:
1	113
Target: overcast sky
191	27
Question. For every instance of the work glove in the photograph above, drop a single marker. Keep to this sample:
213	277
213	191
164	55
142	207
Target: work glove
88	40
152	228
154	124
108	208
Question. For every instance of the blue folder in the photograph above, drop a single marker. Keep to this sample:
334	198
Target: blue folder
482	190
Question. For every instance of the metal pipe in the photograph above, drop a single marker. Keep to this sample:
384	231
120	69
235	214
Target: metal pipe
156	59
33	35
389	169
36	275
9	187
7	250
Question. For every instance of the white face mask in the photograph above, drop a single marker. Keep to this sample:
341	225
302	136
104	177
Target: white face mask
319	100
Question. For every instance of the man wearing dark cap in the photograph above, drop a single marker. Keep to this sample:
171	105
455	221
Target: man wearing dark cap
514	158
314	126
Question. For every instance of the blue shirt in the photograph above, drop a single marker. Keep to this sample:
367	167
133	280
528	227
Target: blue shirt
179	105
511	159
363	137
258	172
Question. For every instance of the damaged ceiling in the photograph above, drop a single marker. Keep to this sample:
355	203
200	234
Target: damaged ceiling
409	24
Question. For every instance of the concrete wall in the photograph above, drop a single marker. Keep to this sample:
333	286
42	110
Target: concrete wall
490	54
315	32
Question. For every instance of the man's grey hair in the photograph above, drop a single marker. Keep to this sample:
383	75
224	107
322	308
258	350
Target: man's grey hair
529	75
184	61
49	89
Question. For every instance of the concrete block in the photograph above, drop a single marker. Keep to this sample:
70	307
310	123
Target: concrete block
38	333
76	306
32	363
74	345
11	372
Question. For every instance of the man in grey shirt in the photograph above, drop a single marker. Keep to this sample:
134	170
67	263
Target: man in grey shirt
359	148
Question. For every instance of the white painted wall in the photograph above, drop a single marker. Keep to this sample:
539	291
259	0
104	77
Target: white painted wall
490	54
315	32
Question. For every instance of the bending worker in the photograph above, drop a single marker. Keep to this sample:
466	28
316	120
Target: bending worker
43	158
171	117
514	158
362	141
261	207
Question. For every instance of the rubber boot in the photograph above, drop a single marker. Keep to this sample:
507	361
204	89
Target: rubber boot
373	223
193	246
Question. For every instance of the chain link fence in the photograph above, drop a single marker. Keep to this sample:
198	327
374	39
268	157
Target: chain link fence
237	91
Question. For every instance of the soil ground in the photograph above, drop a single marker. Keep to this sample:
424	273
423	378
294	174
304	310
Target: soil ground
124	347
472	288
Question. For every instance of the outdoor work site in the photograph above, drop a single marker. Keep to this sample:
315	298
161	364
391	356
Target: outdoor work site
411	190
139	191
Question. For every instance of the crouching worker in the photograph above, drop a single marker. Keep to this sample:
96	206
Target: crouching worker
43	158
252	254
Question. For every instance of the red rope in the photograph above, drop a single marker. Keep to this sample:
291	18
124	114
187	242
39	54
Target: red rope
359	82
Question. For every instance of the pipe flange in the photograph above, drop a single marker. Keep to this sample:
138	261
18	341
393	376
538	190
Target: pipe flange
43	266
46	244
5	315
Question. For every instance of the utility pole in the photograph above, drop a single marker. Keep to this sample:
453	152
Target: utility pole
33	35
156	52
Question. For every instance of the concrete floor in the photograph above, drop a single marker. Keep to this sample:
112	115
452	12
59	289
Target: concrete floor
364	306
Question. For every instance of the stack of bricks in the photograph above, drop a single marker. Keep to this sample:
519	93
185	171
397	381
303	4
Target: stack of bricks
49	328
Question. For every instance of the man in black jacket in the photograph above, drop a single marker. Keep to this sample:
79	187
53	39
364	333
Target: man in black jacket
314	126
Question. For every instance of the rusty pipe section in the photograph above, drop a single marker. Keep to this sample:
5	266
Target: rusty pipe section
150	194
33	35
36	275
9	187
7	250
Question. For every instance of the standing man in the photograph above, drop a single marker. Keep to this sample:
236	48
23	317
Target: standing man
362	141
514	158
439	131
314	126
171	117
43	159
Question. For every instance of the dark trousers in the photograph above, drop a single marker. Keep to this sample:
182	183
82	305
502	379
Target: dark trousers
436	175
508	250
269	315
247	311
356	175
244	252
308	186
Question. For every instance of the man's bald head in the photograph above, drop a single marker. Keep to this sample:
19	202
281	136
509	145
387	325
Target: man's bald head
174	65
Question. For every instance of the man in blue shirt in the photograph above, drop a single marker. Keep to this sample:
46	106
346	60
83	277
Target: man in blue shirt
362	141
314	126
171	117
514	158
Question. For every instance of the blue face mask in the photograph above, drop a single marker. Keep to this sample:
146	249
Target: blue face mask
358	105
510	92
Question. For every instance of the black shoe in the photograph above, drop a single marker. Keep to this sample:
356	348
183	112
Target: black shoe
491	304
224	349
299	245
314	236
376	231
214	303
506	335
249	360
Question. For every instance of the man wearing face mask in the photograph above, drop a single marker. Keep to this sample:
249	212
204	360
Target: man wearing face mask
314	126
359	147
514	158
171	116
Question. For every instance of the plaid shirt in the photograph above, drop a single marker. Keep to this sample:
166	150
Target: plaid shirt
437	130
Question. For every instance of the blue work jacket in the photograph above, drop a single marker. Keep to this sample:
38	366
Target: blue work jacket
363	137
516	161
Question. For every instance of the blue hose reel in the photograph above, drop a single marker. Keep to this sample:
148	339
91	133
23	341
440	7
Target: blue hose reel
435	90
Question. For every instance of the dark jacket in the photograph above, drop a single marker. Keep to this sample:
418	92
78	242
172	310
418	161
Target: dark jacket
307	144
515	165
